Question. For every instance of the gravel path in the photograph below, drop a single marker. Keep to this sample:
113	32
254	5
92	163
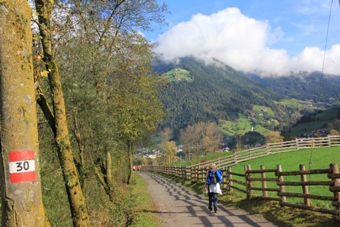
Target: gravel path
177	206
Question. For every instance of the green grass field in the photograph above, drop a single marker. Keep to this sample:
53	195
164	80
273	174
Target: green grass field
297	104
178	74
264	109
240	127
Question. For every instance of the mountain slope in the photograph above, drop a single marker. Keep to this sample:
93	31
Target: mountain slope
216	92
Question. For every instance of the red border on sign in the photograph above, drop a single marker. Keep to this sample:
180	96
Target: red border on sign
21	155
23	177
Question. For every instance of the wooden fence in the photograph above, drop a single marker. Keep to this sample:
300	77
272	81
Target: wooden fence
252	181
248	182
273	148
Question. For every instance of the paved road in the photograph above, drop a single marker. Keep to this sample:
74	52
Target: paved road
177	206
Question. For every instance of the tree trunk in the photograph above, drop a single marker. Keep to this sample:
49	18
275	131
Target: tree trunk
21	196
70	174
109	169
108	188
129	145
81	163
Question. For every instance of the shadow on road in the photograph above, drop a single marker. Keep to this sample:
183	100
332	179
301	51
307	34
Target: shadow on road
179	207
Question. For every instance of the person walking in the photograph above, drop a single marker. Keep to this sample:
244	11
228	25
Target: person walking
213	187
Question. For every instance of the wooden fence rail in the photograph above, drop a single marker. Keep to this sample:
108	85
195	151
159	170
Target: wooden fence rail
252	181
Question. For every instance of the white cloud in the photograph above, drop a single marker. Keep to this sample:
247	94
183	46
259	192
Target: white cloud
313	58
242	43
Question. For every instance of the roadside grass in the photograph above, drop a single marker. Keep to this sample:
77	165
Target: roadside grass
145	209
133	206
312	158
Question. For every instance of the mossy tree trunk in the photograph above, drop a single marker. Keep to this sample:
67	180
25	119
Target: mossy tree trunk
62	138
130	160
19	167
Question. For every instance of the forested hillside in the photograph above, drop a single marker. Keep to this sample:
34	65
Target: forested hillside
216	92
314	86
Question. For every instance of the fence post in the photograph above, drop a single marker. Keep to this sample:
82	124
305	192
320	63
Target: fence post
186	173
248	182
280	180
305	190
230	179
329	140
264	182
223	179
297	144
205	169
192	174
336	185
199	174
267	149
235	158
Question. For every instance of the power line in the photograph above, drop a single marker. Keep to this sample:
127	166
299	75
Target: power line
321	76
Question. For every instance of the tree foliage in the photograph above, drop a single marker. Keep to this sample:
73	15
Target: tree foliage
199	138
274	137
107	82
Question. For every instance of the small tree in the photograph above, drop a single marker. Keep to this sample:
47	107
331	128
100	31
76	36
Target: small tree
274	137
170	149
212	138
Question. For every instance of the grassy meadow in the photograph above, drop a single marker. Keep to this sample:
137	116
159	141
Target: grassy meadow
178	74
240	127
311	158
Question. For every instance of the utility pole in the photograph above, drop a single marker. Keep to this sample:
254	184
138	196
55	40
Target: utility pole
21	197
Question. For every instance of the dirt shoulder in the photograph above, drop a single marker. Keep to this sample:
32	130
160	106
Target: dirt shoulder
176	206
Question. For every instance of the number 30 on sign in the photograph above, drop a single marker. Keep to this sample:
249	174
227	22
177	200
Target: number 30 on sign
22	166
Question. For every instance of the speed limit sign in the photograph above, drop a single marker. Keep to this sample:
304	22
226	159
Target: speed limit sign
22	166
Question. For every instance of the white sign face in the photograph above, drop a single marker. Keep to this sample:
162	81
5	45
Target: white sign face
21	166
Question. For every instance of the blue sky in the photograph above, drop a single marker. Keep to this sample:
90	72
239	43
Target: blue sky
270	37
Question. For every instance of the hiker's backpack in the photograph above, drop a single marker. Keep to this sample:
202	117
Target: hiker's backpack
214	177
